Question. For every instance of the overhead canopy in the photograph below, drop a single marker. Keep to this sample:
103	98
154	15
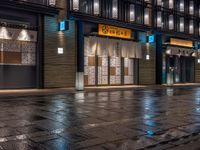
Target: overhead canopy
112	47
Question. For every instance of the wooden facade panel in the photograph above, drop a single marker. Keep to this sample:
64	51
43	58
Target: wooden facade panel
12	57
59	70
59	76
147	68
197	73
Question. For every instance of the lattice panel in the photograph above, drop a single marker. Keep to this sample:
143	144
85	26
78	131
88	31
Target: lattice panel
103	71
11	46
115	70
128	71
89	70
91	75
28	47
28	59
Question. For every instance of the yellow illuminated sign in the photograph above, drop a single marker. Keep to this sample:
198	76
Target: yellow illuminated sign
180	42
112	31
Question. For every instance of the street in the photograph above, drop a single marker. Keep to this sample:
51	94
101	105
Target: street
128	119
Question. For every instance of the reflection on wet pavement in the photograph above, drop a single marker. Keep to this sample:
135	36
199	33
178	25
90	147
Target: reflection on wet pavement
159	118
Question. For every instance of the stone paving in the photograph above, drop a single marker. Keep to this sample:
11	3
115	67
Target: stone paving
129	119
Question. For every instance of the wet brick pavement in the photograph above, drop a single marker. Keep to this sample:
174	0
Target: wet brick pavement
153	119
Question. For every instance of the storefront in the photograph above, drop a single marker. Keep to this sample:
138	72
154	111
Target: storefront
111	57
17	57
179	62
19	48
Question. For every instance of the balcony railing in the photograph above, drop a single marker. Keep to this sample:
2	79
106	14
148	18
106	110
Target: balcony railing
50	3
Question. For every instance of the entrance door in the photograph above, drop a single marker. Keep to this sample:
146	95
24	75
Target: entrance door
103	70
115	70
180	69
129	71
187	63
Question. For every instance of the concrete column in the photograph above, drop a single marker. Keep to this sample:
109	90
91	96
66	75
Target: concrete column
80	56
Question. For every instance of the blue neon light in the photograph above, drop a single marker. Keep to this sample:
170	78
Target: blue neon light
151	39
62	26
150	133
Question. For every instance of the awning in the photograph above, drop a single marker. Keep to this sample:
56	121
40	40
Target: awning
112	47
172	50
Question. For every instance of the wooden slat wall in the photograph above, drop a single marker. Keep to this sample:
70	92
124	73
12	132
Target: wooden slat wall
197	72
59	70
147	68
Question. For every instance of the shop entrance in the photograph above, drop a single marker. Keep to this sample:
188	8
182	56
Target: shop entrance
108	63
180	67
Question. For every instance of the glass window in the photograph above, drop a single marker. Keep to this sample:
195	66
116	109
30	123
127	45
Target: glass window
52	2
132	13
181	24
96	7
84	6
199	10
146	16
199	28
171	22
191	27
171	4
159	2
75	5
115	9
139	14
159	19
181	6
191	8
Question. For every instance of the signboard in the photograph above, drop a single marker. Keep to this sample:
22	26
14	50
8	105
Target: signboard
63	26
112	31
151	38
180	42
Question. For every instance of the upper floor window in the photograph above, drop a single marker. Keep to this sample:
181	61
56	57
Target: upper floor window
171	4
84	6
181	24
199	28
191	27
159	19
114	9
52	2
159	2
191	7
181	6
139	14
132	12
171	22
96	7
75	5
146	16
199	10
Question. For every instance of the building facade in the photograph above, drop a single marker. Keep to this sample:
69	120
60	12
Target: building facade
79	43
122	42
